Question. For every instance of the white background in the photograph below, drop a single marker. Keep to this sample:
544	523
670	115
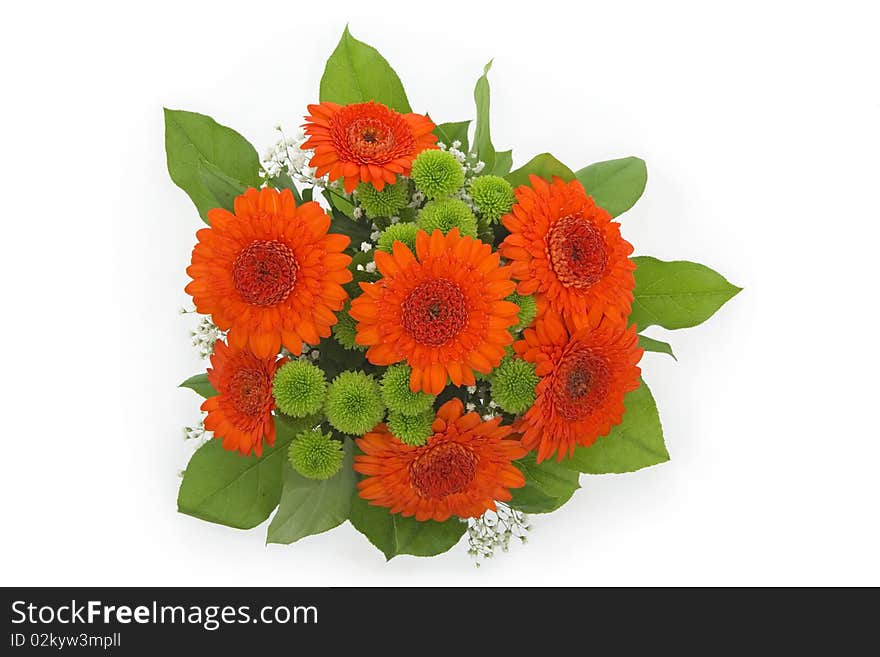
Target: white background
760	124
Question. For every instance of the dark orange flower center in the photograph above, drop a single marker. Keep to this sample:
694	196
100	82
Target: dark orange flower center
370	138
434	312
443	470
369	133
577	252
264	272
249	391
581	382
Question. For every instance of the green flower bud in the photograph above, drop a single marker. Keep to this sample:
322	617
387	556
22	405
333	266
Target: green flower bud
299	388
411	429
493	196
437	173
354	404
385	203
344	330
446	214
513	385
403	232
527	310
397	395
315	454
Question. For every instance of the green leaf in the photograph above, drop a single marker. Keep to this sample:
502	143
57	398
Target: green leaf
503	163
544	166
206	159
635	443
393	534
334	358
615	185
482	136
221	187
339	202
237	491
312	506
357	73
200	383
650	344
450	132
677	294
549	485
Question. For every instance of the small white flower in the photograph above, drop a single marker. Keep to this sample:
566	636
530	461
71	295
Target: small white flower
370	267
375	235
366	247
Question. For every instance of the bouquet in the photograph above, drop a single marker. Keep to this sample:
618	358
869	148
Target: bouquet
405	332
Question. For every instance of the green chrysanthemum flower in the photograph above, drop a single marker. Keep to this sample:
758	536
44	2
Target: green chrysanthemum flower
447	214
299	388
513	385
492	195
315	454
437	173
405	233
527	310
397	395
411	429
354	404
344	330
385	203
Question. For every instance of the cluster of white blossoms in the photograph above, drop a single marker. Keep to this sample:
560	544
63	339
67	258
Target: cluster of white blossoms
286	156
309	353
204	335
479	399
198	433
495	529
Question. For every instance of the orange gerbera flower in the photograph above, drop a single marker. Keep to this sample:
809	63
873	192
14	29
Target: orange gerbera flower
442	310
270	273
462	469
241	411
365	142
585	376
569	252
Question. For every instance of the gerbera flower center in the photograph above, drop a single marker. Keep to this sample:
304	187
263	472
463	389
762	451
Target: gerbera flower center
443	470
435	312
370	139
264	273
581	383
577	252
249	391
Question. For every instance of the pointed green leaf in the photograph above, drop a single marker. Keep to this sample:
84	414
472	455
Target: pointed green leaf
615	185
677	294
206	159
200	383
221	187
393	534
544	166
503	164
357	73
238	491
482	135
312	506
450	132
650	344
549	485
635	443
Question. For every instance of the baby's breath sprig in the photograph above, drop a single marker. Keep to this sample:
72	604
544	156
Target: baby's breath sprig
495	529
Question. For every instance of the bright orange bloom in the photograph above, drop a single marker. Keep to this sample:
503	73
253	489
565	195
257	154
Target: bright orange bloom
442	310
270	273
584	374
241	412
462	469
569	252
365	142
